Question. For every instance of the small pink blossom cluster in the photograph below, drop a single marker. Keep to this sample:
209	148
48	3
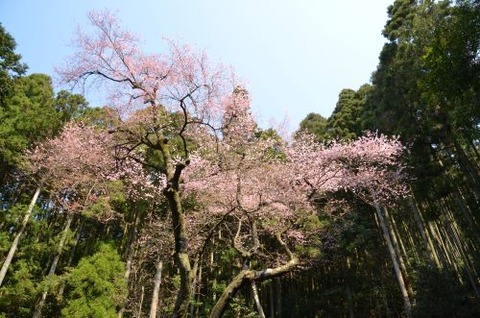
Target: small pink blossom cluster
369	166
138	183
75	165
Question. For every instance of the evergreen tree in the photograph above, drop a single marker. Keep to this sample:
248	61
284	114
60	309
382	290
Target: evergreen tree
10	64
345	121
314	124
96	286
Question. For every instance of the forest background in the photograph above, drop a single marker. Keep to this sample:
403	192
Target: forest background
100	217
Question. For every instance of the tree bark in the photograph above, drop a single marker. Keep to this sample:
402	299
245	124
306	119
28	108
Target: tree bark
72	255
256	298
182	260
248	275
348	291
130	254
197	277
272	299
278	291
401	282
53	267
432	257
19	234
454	231
140	305
156	290
469	167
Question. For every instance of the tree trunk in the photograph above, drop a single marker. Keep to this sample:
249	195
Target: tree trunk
182	260
440	242
348	291
401	282
396	239
72	255
230	291
140	305
256	298
130	254
278	291
272	300
421	229
53	267
454	231
466	164
472	228
156	290
396	245
196	283
14	246
248	275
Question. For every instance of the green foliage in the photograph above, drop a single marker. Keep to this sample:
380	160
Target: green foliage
438	294
11	219
110	202
310	252
314	124
96	287
10	65
345	121
28	115
101	117
426	89
275	151
451	81
401	14
29	111
71	106
239	307
17	297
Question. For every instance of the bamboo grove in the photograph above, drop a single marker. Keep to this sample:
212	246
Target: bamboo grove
171	201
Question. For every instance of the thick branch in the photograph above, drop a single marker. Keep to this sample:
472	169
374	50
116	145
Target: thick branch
248	275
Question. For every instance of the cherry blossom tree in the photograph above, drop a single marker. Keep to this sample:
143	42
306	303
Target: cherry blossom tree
189	123
262	190
75	168
69	166
75	165
79	169
181	90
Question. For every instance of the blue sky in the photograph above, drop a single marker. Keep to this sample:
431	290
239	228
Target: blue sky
295	56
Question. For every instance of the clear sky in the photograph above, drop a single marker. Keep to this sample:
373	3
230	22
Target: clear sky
295	56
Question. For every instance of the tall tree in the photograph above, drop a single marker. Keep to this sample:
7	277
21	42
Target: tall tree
10	64
96	286
28	115
181	83
198	116
425	89
314	124
345	121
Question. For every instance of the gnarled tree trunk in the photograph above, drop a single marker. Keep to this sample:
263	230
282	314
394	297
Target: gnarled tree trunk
182	259
248	276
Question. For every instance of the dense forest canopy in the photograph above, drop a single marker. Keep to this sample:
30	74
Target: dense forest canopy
172	201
